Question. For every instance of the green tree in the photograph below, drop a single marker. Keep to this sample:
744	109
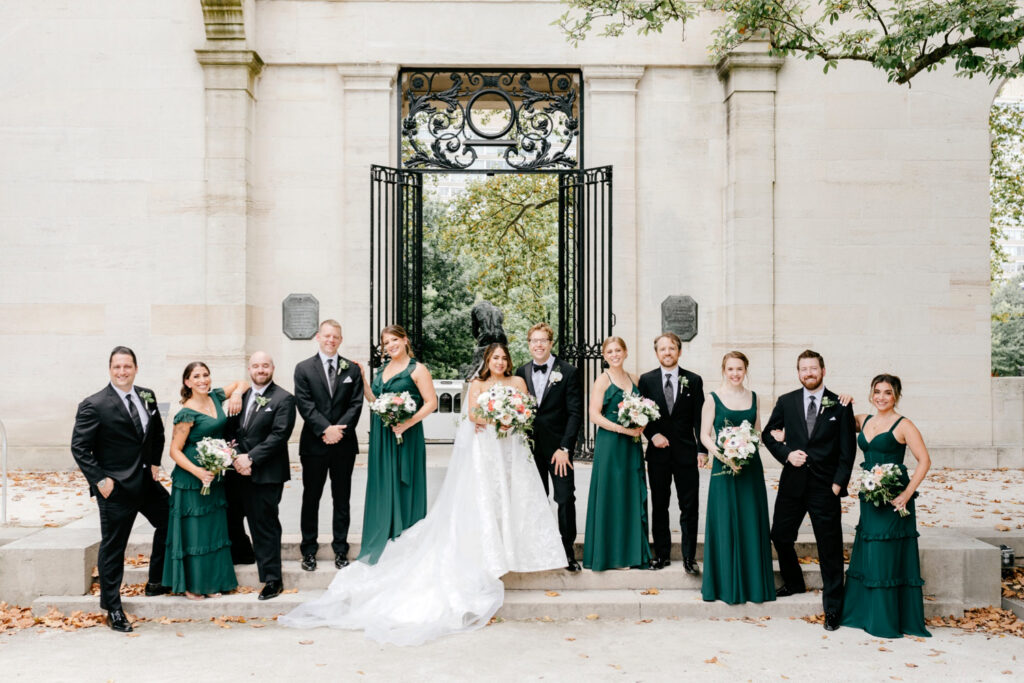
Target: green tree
901	37
503	232
1006	177
1008	327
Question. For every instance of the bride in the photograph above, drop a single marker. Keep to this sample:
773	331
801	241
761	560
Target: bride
443	575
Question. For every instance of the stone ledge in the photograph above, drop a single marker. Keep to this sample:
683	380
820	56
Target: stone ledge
47	562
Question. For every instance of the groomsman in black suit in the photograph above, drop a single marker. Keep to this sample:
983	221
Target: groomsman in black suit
559	392
674	450
117	442
329	395
817	460
262	432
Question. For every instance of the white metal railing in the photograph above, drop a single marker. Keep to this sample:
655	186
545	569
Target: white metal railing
3	464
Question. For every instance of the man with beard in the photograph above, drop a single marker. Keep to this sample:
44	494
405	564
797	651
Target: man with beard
817	460
266	422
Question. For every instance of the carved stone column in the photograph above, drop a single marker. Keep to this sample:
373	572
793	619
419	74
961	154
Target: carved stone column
611	140
369	124
230	72
746	319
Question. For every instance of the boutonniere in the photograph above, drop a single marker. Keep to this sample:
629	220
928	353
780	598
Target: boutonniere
146	396
342	364
684	383
556	377
828	402
262	401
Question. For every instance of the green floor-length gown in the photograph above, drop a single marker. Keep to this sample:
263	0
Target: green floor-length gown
617	507
396	478
883	583
737	540
198	555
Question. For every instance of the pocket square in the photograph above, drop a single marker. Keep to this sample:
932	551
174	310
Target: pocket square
347	380
268	410
832	419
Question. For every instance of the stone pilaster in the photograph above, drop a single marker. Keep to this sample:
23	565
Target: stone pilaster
230	74
610	132
746	320
368	138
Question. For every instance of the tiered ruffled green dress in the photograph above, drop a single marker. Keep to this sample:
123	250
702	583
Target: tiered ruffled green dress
198	550
883	583
396	477
617	507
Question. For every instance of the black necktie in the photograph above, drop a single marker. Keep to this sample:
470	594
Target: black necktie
812	415
134	412
540	368
331	376
670	396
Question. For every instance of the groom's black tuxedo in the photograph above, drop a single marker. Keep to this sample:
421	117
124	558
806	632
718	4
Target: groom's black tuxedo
557	425
264	438
830	450
105	443
320	408
678	460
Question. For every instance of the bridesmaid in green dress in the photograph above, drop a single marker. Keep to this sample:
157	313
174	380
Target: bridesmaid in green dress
616	535
737	541
198	560
883	582
396	482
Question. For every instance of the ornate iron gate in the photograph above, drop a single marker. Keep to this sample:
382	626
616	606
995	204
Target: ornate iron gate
585	316
396	255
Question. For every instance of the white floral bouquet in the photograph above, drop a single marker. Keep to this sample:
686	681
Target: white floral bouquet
394	408
737	445
508	409
880	484
214	456
637	411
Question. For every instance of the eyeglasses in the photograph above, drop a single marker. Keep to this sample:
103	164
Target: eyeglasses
540	340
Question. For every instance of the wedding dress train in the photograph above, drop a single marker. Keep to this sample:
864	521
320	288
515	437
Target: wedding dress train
443	575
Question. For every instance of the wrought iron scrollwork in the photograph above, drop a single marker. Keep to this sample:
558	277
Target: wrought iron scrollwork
444	125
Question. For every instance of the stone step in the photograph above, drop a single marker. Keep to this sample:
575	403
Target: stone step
519	604
671	577
142	544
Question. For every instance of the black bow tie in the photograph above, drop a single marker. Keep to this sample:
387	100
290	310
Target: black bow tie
540	368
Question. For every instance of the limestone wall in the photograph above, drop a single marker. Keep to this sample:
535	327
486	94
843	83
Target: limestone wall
153	200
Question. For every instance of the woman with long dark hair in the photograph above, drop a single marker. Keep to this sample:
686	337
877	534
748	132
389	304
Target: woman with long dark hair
198	560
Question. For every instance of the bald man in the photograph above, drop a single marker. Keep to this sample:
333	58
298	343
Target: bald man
262	432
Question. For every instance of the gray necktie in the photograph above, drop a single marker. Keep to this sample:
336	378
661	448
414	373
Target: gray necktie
670	395
330	375
249	411
812	415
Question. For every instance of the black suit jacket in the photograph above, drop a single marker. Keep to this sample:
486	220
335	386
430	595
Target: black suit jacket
105	442
265	437
560	413
830	448
319	409
682	426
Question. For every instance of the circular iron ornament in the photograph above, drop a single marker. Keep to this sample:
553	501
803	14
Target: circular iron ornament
563	83
511	114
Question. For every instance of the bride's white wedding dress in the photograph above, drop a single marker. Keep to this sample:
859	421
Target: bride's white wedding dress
443	575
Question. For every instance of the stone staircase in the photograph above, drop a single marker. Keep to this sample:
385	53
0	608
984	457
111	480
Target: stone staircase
960	573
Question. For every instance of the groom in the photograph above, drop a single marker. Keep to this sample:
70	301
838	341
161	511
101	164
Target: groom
817	460
556	386
117	442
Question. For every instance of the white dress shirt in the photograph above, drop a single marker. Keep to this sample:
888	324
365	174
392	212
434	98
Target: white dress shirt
139	405
817	394
540	379
323	361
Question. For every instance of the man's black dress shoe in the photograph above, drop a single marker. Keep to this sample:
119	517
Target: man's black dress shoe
573	566
340	561
271	590
786	591
155	589
831	621
690	566
309	562
659	563
117	621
